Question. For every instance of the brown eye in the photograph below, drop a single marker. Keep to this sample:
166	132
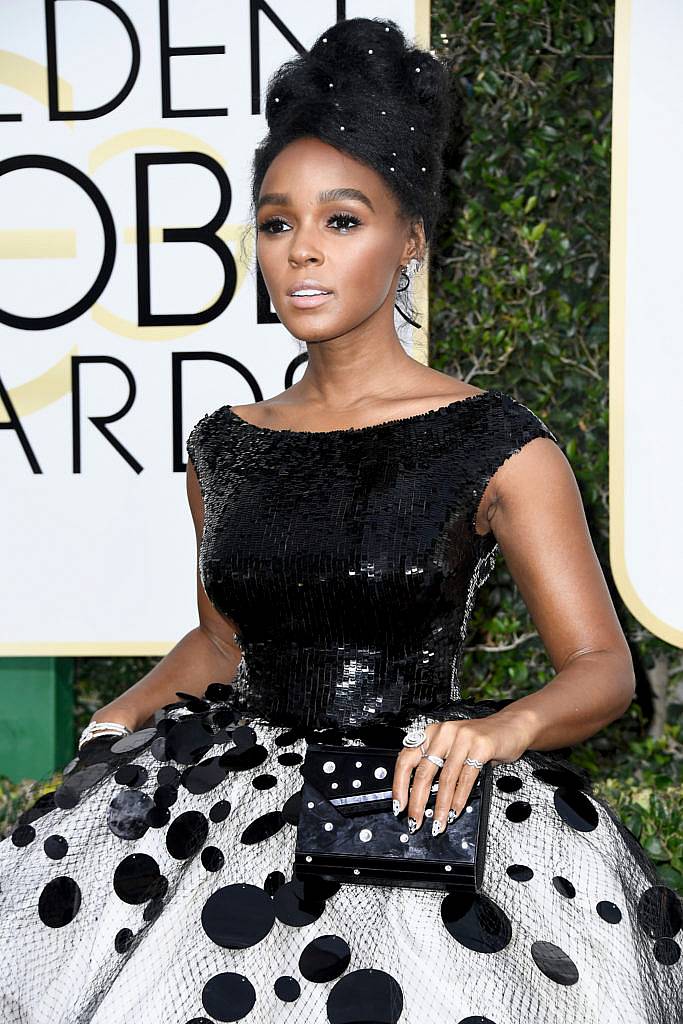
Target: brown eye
347	219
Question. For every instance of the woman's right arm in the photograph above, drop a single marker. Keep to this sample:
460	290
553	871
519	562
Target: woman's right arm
207	654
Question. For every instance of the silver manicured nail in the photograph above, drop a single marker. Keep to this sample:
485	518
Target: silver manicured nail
412	825
451	816
396	805
436	827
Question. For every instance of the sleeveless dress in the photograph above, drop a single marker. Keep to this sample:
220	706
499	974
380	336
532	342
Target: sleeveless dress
155	885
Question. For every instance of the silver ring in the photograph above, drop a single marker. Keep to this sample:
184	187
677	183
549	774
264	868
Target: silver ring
435	759
414	738
473	762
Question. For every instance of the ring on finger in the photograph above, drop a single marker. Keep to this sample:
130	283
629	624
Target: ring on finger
435	759
473	762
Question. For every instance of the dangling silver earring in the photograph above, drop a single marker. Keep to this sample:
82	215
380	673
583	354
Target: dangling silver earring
402	288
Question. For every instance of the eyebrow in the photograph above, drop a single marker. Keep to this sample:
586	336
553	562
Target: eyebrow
332	195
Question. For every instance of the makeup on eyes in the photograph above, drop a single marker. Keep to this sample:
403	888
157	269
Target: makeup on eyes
350	219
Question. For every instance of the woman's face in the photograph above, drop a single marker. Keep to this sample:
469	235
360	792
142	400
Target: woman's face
325	216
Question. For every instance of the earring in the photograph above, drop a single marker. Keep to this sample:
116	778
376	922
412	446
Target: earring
402	287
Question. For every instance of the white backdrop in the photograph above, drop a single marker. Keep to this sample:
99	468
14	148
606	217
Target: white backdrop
646	286
97	546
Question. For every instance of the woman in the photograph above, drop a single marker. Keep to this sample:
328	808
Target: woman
343	529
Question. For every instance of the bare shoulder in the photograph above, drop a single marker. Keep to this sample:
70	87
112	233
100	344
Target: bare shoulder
537	475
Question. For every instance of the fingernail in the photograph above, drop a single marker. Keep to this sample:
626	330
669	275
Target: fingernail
412	825
436	827
451	816
396	804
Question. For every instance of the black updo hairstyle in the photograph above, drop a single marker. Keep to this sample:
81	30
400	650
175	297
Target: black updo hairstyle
364	89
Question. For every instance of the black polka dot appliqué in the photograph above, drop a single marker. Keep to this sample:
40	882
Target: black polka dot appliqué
476	921
263	828
666	952
609	911
519	810
264	781
136	878
509	783
220	810
287	989
660	912
520	872
128	814
564	887
56	847
325	958
554	963
187	834
212	858
23	835
365	995
477	1019
228	996
576	809
295	909
237	916
59	902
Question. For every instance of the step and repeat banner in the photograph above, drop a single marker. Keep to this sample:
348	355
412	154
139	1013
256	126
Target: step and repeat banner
130	298
646	285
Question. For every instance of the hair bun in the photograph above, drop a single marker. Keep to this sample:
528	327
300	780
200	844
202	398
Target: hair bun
366	90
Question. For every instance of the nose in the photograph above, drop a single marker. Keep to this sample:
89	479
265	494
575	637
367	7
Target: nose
305	247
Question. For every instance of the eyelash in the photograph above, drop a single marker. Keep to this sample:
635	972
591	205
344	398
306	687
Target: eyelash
350	218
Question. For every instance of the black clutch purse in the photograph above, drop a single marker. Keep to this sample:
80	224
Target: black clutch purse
347	831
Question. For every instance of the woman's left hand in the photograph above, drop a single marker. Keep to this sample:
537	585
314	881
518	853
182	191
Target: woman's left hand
492	739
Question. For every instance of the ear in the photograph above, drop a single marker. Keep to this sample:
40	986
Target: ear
416	245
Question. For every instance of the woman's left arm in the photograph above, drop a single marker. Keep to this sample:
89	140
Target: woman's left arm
533	506
538	519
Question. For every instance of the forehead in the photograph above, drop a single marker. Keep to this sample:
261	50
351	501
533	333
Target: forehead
308	166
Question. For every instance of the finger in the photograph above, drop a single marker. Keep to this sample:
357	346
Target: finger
406	762
423	780
459	779
468	777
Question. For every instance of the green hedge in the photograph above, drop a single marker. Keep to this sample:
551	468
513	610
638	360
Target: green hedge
519	301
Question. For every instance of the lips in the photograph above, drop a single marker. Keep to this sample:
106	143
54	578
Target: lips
308	284
309	301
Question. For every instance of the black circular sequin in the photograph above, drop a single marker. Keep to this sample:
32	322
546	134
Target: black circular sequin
609	912
660	912
135	878
554	963
55	847
287	989
576	809
509	783
325	958
59	902
518	811
187	834
365	996
476	921
520	872
564	887
238	916
228	996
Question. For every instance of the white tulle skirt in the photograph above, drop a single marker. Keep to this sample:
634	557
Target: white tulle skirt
159	889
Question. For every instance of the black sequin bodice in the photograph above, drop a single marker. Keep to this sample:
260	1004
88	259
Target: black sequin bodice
348	559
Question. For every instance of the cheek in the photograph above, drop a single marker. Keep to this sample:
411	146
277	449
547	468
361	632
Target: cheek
368	269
